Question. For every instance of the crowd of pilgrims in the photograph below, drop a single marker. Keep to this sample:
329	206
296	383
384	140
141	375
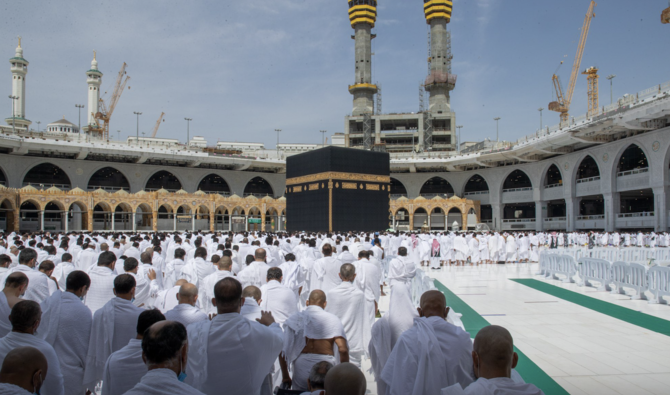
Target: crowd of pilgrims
245	313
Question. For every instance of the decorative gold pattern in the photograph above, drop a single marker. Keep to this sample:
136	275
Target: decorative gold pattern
349	185
198	203
372	187
314	187
412	205
333	175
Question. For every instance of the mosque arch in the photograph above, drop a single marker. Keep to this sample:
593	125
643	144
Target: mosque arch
437	186
3	177
7	215
165	180
476	185
108	178
144	217
258	187
397	188
47	174
553	177
517	180
454	214
633	158
588	169
214	183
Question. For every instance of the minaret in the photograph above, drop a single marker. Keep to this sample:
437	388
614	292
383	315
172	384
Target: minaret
363	16
94	79
19	70
440	81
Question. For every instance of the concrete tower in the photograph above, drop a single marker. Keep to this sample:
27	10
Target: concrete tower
440	81
363	14
19	70
94	79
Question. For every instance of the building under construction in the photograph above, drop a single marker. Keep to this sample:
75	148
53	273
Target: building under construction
430	129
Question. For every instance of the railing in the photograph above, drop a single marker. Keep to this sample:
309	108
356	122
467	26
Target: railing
217	192
476	193
44	185
395	196
486	221
631	172
621	102
432	195
553	186
636	215
518	189
104	188
158	189
589	179
258	195
555	219
590	217
518	220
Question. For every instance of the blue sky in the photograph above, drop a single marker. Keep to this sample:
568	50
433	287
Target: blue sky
241	69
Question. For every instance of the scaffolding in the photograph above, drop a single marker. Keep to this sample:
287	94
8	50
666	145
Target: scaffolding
367	131
427	131
378	109
422	103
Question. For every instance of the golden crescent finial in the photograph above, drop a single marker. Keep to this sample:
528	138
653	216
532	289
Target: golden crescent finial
94	54
19	41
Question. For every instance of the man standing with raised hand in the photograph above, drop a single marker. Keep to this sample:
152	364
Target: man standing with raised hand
230	354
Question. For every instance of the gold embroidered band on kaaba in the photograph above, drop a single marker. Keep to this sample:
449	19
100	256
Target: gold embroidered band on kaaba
334	175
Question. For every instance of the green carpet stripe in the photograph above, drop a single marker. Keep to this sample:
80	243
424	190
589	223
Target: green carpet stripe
622	313
473	322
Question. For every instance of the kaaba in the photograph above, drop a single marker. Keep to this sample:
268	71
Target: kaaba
337	189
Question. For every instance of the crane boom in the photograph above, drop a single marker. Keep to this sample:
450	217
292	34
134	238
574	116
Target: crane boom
158	124
106	110
118	90
562	104
665	15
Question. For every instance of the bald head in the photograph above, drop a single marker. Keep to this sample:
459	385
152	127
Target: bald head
317	298
433	304
252	292
259	254
347	272
493	352
345	379
225	263
25	367
16	280
188	294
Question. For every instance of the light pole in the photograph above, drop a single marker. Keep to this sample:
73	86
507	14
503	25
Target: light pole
188	129
118	132
278	131
79	106
323	134
38	126
611	77
540	110
459	127
497	119
14	98
138	125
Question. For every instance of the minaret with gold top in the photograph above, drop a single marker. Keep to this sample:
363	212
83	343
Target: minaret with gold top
363	14
93	79
440	81
19	70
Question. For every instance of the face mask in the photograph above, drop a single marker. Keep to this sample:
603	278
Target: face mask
182	374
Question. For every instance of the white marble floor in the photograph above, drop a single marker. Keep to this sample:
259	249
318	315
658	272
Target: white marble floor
584	351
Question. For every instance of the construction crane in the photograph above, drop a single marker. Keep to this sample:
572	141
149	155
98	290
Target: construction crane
158	124
106	110
562	103
592	91
665	15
